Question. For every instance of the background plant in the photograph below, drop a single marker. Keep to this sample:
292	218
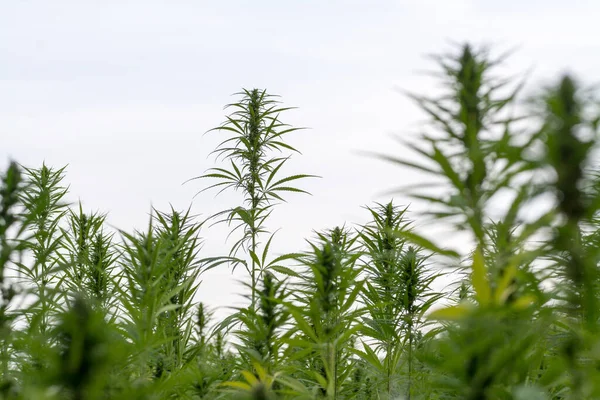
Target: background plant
397	294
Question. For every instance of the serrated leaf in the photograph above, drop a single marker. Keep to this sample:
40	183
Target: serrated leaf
284	270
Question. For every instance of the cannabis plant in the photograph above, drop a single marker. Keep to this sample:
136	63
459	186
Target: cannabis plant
256	151
397	294
479	155
160	268
325	314
90	313
90	257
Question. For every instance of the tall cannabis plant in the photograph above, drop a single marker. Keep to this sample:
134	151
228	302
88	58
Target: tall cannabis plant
256	151
476	158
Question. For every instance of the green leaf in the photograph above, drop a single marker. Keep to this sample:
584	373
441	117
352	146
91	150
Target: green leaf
479	279
301	323
288	256
254	257
293	178
369	356
427	244
284	270
452	313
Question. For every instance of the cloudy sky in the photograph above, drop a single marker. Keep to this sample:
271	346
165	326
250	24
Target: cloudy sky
122	91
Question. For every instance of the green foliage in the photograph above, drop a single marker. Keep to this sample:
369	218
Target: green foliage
325	312
89	313
91	256
160	269
397	294
256	133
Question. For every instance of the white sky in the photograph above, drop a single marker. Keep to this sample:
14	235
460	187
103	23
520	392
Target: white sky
122	91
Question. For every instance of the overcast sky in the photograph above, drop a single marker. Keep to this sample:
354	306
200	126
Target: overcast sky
122	92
